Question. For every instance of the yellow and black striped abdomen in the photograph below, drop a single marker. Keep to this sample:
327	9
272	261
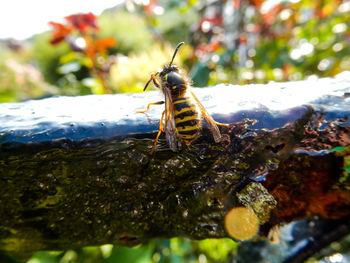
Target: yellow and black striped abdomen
186	118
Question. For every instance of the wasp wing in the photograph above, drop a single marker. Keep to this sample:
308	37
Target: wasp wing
170	127
212	124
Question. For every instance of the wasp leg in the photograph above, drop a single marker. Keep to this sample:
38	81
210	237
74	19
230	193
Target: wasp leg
153	103
159	132
155	81
222	124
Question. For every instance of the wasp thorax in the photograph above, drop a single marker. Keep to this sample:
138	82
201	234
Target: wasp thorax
175	83
175	79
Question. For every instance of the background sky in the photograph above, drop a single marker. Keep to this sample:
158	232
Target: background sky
21	19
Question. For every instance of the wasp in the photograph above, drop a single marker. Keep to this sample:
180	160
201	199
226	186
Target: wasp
183	111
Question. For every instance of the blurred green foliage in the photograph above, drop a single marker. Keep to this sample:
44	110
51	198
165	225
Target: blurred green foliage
272	41
49	61
234	42
128	29
48	56
175	250
20	80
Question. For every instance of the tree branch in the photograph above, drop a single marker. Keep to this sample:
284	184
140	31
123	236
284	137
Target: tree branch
77	171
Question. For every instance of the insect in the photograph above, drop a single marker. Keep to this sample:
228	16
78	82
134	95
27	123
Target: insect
183	111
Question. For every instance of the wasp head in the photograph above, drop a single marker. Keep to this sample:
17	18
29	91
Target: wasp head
168	72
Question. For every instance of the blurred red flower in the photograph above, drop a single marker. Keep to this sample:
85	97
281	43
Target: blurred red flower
60	32
83	21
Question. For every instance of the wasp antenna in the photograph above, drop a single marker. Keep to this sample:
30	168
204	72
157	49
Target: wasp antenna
176	49
147	84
